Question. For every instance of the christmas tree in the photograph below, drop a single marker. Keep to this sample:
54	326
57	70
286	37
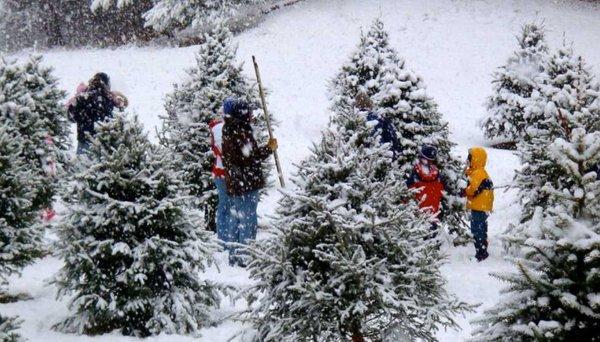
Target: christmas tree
32	100
400	96
194	104
363	72
514	105
348	255
8	326
47	98
553	296
132	252
571	99
20	233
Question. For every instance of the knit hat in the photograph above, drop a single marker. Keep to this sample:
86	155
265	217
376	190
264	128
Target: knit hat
228	106
363	101
235	107
429	152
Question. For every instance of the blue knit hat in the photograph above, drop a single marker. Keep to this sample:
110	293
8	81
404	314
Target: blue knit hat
235	107
229	105
429	152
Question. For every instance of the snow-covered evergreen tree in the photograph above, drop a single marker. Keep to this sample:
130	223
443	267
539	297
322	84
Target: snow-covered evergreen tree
20	233
515	103
348	257
47	98
571	99
178	15
196	102
8	325
32	105
400	95
572	88
554	295
132	252
363	72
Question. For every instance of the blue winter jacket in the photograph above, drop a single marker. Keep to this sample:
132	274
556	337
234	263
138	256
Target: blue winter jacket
387	132
596	169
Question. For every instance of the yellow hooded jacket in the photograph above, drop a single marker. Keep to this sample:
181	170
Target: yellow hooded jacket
477	199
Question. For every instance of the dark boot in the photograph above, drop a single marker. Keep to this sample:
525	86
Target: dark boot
482	255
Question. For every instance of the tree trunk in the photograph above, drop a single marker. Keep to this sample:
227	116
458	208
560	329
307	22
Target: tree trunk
53	24
357	335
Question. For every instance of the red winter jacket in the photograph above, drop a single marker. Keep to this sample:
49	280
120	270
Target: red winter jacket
426	178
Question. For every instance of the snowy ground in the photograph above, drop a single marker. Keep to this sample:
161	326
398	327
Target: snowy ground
454	45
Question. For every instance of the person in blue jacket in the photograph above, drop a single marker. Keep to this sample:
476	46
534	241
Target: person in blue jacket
596	168
383	125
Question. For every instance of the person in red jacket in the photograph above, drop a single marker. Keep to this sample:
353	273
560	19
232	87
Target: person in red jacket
218	173
427	181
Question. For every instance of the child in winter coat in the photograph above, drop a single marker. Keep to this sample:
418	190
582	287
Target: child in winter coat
383	127
427	181
480	199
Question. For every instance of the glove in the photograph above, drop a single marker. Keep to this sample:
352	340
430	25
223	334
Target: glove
273	145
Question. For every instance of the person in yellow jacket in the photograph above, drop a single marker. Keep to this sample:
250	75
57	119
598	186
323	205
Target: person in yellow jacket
480	199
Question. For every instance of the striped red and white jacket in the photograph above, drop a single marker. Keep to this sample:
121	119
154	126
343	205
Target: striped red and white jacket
216	141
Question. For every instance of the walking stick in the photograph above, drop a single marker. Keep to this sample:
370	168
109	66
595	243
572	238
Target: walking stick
268	119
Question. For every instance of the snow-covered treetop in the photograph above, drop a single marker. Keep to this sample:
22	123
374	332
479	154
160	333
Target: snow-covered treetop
533	38
215	76
363	71
573	93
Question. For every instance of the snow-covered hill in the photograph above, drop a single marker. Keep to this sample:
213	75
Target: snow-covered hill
454	45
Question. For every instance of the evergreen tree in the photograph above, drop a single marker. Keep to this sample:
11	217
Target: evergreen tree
514	105
32	102
45	98
8	326
553	296
20	233
194	104
132	252
571	100
400	95
363	72
179	15
43	89
348	256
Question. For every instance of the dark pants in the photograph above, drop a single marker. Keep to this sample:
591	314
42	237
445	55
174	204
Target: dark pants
82	147
479	229
434	230
210	212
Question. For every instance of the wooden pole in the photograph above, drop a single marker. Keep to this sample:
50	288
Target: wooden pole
268	119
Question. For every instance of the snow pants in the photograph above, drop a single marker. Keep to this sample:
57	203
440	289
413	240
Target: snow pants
244	222
479	229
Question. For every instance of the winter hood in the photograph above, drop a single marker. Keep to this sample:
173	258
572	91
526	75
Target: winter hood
478	158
